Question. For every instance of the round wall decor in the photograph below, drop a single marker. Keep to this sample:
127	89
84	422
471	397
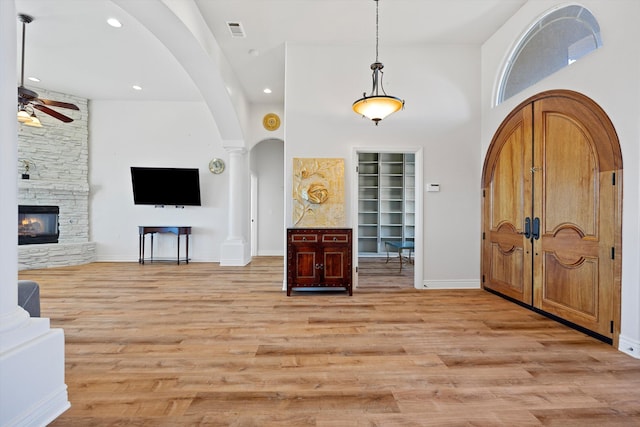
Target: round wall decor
271	122
216	166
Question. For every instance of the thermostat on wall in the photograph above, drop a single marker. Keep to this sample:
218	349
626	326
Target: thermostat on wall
433	188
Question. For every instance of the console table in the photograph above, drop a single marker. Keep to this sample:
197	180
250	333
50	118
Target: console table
143	230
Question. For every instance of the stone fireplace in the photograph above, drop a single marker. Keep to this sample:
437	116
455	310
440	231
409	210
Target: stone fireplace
53	171
38	224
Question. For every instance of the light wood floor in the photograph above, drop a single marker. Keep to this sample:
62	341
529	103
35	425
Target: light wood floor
204	345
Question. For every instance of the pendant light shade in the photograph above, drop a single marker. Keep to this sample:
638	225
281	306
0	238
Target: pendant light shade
376	107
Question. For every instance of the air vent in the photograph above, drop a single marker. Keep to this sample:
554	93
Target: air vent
236	29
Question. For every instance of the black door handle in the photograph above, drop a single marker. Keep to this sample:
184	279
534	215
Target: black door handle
536	228
527	227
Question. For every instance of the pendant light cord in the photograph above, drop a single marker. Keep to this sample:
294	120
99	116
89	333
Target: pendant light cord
377	27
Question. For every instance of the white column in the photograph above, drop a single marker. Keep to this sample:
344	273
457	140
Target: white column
10	317
235	250
32	388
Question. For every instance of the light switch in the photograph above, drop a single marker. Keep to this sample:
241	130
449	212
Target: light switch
432	188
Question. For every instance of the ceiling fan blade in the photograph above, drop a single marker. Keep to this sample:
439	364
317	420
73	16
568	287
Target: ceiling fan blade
52	113
58	104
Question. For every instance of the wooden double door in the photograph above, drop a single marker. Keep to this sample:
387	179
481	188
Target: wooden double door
552	191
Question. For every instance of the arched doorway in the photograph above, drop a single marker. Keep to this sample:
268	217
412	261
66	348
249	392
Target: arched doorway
267	198
551	226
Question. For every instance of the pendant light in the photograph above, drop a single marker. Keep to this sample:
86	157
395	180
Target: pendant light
375	106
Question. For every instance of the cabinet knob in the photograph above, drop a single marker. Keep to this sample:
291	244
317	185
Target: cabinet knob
304	238
335	238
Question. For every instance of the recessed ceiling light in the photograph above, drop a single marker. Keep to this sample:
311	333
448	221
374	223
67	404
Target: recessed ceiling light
34	79
267	90
136	87
114	23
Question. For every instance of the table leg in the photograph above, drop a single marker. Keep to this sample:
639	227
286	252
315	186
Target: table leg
387	248
178	257
141	248
400	257
187	248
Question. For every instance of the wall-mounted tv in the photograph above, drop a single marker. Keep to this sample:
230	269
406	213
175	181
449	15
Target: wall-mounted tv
165	186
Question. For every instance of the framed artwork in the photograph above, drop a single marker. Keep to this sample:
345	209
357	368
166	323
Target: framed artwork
318	192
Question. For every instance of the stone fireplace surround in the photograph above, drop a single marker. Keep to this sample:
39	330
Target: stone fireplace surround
57	159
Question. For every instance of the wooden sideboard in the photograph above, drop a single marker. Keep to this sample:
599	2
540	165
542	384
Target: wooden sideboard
319	257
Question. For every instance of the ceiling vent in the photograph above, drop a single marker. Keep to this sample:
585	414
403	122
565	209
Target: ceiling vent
236	29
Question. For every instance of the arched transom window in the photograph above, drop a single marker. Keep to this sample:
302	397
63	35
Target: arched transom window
555	41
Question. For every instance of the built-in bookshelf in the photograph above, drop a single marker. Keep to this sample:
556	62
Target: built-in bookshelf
386	200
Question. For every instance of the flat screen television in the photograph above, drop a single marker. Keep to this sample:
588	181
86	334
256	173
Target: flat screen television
165	186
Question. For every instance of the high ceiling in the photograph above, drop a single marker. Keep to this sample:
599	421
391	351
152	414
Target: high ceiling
71	49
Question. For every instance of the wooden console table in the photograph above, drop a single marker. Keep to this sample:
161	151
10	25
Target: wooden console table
143	230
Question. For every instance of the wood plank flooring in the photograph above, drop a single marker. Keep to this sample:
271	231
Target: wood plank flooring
204	345
376	272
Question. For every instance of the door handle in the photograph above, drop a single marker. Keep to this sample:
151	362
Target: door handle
527	227
536	228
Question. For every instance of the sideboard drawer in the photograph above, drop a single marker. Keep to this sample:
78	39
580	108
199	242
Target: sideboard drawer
337	238
302	238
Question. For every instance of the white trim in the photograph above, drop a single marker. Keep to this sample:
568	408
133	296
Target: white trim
629	346
451	284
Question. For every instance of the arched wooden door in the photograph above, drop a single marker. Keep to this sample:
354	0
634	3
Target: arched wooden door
552	192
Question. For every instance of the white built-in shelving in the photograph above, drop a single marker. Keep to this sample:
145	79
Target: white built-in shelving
386	200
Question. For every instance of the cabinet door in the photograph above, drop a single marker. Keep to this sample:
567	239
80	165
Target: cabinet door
335	258
306	264
303	258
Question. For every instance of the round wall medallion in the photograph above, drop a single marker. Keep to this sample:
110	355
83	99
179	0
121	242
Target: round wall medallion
216	166
271	121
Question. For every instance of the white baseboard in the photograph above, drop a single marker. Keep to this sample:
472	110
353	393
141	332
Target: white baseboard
629	346
451	284
270	253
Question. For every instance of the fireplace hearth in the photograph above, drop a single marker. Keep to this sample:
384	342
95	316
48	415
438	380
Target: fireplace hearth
38	224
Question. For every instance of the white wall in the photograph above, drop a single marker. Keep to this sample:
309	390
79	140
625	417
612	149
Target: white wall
611	77
162	134
441	87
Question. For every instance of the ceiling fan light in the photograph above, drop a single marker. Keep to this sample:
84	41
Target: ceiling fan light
377	108
33	122
23	116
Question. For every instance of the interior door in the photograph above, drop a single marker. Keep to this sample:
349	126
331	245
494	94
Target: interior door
551	221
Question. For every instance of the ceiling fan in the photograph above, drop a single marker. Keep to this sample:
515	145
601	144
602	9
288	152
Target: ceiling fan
28	100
